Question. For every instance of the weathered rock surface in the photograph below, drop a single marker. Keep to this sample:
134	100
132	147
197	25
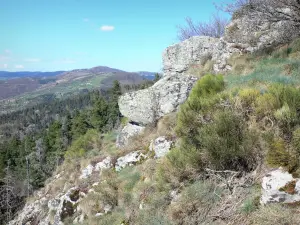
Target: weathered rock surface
129	160
127	132
161	146
62	205
251	34
89	169
280	186
195	52
104	164
148	105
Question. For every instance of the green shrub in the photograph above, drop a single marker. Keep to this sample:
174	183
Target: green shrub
248	96
278	156
91	140
228	142
207	86
202	97
296	140
183	163
266	104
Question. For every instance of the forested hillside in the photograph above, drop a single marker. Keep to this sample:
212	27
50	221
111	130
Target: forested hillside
33	141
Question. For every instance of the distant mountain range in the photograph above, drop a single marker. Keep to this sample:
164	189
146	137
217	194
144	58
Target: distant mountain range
98	69
6	74
21	88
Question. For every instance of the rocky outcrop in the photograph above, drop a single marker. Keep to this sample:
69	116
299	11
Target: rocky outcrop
195	52
148	105
127	132
60	207
161	146
129	160
280	186
251	33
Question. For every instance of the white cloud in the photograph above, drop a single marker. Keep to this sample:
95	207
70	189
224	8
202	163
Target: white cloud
4	58
19	66
107	28
86	20
32	60
5	66
7	51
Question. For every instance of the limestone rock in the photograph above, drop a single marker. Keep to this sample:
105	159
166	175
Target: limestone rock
86	172
129	160
127	132
252	34
280	186
148	105
161	146
104	164
195	50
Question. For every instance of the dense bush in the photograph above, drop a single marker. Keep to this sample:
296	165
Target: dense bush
228	142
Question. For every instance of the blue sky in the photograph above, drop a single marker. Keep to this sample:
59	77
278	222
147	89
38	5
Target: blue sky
49	35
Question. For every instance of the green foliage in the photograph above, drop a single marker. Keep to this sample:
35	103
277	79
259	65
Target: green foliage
202	97
228	142
87	142
279	156
296	140
250	205
266	104
248	96
99	114
157	77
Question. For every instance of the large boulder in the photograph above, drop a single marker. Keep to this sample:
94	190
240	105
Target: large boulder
280	186
148	105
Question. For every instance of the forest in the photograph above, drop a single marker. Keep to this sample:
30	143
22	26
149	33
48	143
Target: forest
33	141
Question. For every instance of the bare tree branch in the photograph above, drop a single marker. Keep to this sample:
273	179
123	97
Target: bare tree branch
214	28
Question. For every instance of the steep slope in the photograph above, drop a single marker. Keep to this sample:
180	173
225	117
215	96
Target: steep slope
226	155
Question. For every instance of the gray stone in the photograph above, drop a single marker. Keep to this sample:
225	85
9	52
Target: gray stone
195	52
86	172
273	188
161	146
129	160
148	105
252	33
129	131
104	164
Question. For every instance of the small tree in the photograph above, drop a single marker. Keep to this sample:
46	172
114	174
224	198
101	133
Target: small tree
157	77
214	28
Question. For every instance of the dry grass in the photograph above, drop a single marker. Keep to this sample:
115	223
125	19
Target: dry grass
275	214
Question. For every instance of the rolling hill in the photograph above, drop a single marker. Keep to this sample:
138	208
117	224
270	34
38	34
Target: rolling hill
21	91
